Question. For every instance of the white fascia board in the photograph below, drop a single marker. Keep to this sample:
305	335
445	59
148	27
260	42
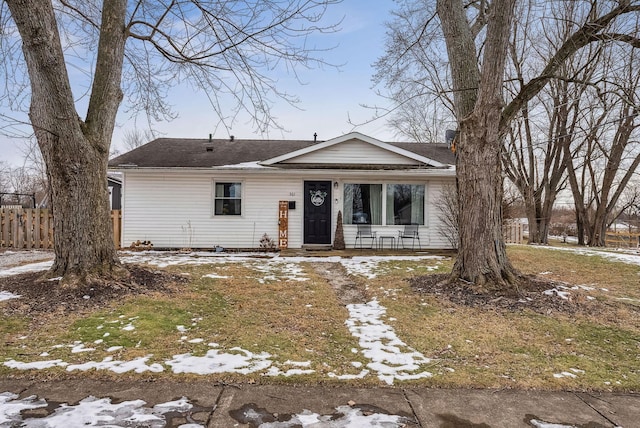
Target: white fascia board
311	172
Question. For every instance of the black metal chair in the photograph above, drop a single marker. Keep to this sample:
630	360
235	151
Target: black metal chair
410	232
364	232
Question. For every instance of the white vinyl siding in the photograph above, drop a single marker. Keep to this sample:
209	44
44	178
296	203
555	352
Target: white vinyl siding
353	152
174	209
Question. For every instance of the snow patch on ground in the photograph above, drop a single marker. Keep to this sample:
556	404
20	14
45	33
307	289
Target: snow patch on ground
90	412
564	292
564	295
541	424
15	258
5	295
94	412
10	407
349	417
279	270
572	373
389	357
369	267
216	361
619	256
32	267
215	276
137	365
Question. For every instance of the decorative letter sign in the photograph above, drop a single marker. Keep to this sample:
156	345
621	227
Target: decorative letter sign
283	225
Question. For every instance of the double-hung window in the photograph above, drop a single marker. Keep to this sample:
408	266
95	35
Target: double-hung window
228	199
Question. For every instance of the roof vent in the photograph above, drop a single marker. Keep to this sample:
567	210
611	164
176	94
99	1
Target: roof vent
209	148
315	137
231	137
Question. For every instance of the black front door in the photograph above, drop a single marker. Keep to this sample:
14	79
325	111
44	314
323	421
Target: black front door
317	212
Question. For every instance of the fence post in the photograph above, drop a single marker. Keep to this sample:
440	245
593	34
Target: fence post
4	228
116	221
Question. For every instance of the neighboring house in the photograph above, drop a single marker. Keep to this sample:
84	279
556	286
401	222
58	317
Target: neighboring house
192	193
114	185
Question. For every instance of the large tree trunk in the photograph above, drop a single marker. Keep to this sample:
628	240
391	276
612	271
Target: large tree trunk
482	257
75	152
83	236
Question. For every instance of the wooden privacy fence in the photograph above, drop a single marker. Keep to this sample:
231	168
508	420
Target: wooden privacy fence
33	228
513	231
622	239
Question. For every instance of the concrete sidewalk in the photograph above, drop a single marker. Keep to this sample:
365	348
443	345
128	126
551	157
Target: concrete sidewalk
251	405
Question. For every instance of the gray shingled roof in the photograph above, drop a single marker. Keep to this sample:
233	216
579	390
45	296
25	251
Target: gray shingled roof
202	153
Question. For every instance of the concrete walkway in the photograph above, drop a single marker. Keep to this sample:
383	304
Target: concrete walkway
253	405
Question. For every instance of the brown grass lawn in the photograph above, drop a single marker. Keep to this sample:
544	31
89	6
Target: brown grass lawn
304	321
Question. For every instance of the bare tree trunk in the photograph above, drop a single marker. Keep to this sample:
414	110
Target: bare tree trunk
75	152
482	257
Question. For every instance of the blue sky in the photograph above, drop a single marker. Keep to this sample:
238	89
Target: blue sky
327	99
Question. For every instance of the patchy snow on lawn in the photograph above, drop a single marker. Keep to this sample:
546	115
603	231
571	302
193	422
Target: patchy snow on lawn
137	365
90	412
271	266
216	361
215	276
16	258
619	256
563	292
278	270
369	267
5	295
389	357
564	295
31	267
572	373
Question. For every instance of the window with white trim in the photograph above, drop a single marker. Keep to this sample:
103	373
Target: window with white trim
227	199
362	203
405	204
389	203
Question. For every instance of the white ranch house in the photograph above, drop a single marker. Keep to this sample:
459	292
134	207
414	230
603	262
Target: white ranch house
202	193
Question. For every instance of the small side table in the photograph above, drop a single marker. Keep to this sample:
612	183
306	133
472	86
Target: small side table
381	240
